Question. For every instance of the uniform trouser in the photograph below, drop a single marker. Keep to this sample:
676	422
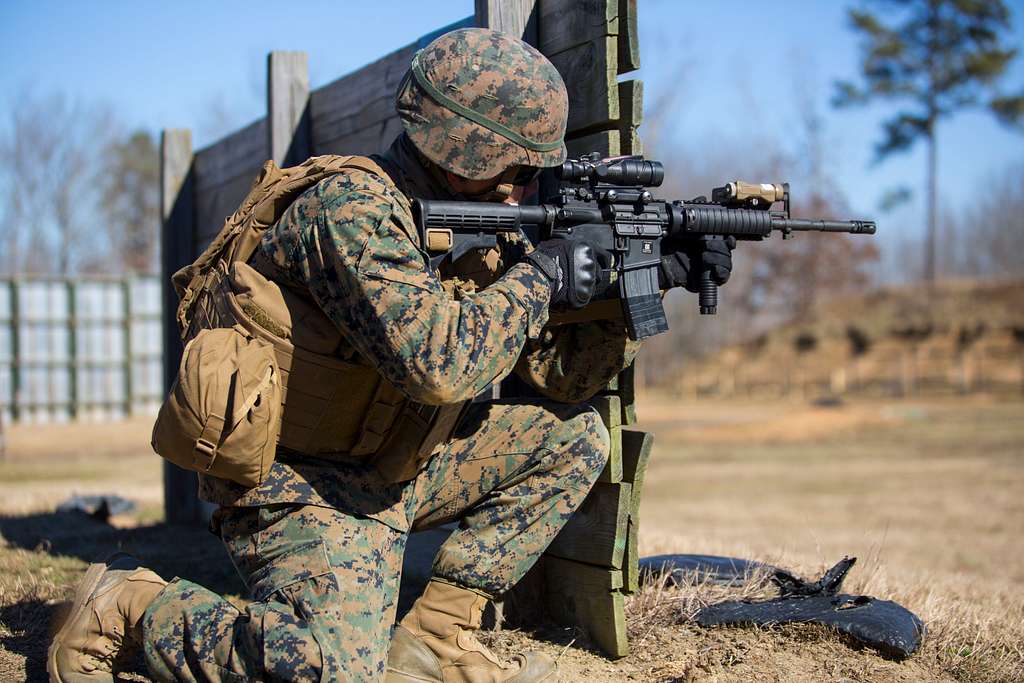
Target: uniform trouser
324	582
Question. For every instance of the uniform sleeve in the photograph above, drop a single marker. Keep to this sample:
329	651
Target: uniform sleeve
571	363
363	268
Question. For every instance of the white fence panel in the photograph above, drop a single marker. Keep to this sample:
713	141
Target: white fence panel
84	348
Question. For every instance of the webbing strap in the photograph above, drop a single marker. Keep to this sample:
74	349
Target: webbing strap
475	116
205	450
254	396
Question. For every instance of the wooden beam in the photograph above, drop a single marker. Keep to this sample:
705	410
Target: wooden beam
609	408
578	594
631	113
636	452
177	229
516	17
629	37
604	141
224	173
288	129
597	531
590	71
216	203
243	151
626	389
568	23
177	211
356	113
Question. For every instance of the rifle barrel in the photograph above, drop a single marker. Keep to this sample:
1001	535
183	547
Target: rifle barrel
806	225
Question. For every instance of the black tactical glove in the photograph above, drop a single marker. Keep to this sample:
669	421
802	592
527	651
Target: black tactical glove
572	266
683	267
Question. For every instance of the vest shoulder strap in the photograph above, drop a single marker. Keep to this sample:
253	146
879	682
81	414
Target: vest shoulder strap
273	190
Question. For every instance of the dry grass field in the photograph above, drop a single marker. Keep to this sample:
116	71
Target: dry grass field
929	495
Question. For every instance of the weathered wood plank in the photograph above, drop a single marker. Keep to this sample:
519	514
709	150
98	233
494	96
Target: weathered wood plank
177	209
630	142
605	141
631	103
177	228
515	17
627	392
361	102
581	595
597	533
375	138
224	173
609	408
242	152
631	112
636	452
629	37
590	72
216	203
288	107
568	23
631	558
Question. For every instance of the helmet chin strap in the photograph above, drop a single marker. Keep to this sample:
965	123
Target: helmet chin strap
499	194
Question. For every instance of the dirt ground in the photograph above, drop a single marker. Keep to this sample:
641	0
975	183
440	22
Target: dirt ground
929	495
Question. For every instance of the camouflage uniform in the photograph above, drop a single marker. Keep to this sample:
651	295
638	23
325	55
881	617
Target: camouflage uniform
320	543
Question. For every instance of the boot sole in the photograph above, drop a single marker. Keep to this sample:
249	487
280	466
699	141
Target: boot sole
89	583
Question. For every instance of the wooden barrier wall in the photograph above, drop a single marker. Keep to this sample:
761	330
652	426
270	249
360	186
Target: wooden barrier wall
591	42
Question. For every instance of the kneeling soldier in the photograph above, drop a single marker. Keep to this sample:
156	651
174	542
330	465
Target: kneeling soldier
319	542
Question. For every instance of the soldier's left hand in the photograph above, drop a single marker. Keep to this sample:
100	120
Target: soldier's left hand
683	267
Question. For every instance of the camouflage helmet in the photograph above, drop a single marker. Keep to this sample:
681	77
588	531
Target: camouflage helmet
477	102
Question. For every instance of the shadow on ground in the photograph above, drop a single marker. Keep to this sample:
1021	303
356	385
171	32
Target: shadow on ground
170	550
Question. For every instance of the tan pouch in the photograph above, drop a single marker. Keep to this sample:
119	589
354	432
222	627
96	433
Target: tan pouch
223	413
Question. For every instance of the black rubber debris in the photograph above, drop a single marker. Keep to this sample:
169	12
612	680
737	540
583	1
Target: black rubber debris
883	625
98	507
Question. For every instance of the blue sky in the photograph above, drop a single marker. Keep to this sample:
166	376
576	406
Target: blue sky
200	65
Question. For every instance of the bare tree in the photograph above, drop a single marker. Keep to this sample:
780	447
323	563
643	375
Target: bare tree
990	230
799	274
51	152
130	200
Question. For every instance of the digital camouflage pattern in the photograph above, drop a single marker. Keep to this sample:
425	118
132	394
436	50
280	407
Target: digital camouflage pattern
324	583
320	542
351	242
498	77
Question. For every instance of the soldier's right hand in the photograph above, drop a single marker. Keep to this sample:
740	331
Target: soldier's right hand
572	267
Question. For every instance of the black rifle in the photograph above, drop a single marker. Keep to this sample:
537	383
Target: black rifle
608	203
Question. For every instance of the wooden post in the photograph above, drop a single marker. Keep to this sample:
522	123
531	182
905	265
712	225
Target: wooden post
593	562
516	17
636	452
177	239
288	129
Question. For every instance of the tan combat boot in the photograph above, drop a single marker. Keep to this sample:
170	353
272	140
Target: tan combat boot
435	643
103	626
